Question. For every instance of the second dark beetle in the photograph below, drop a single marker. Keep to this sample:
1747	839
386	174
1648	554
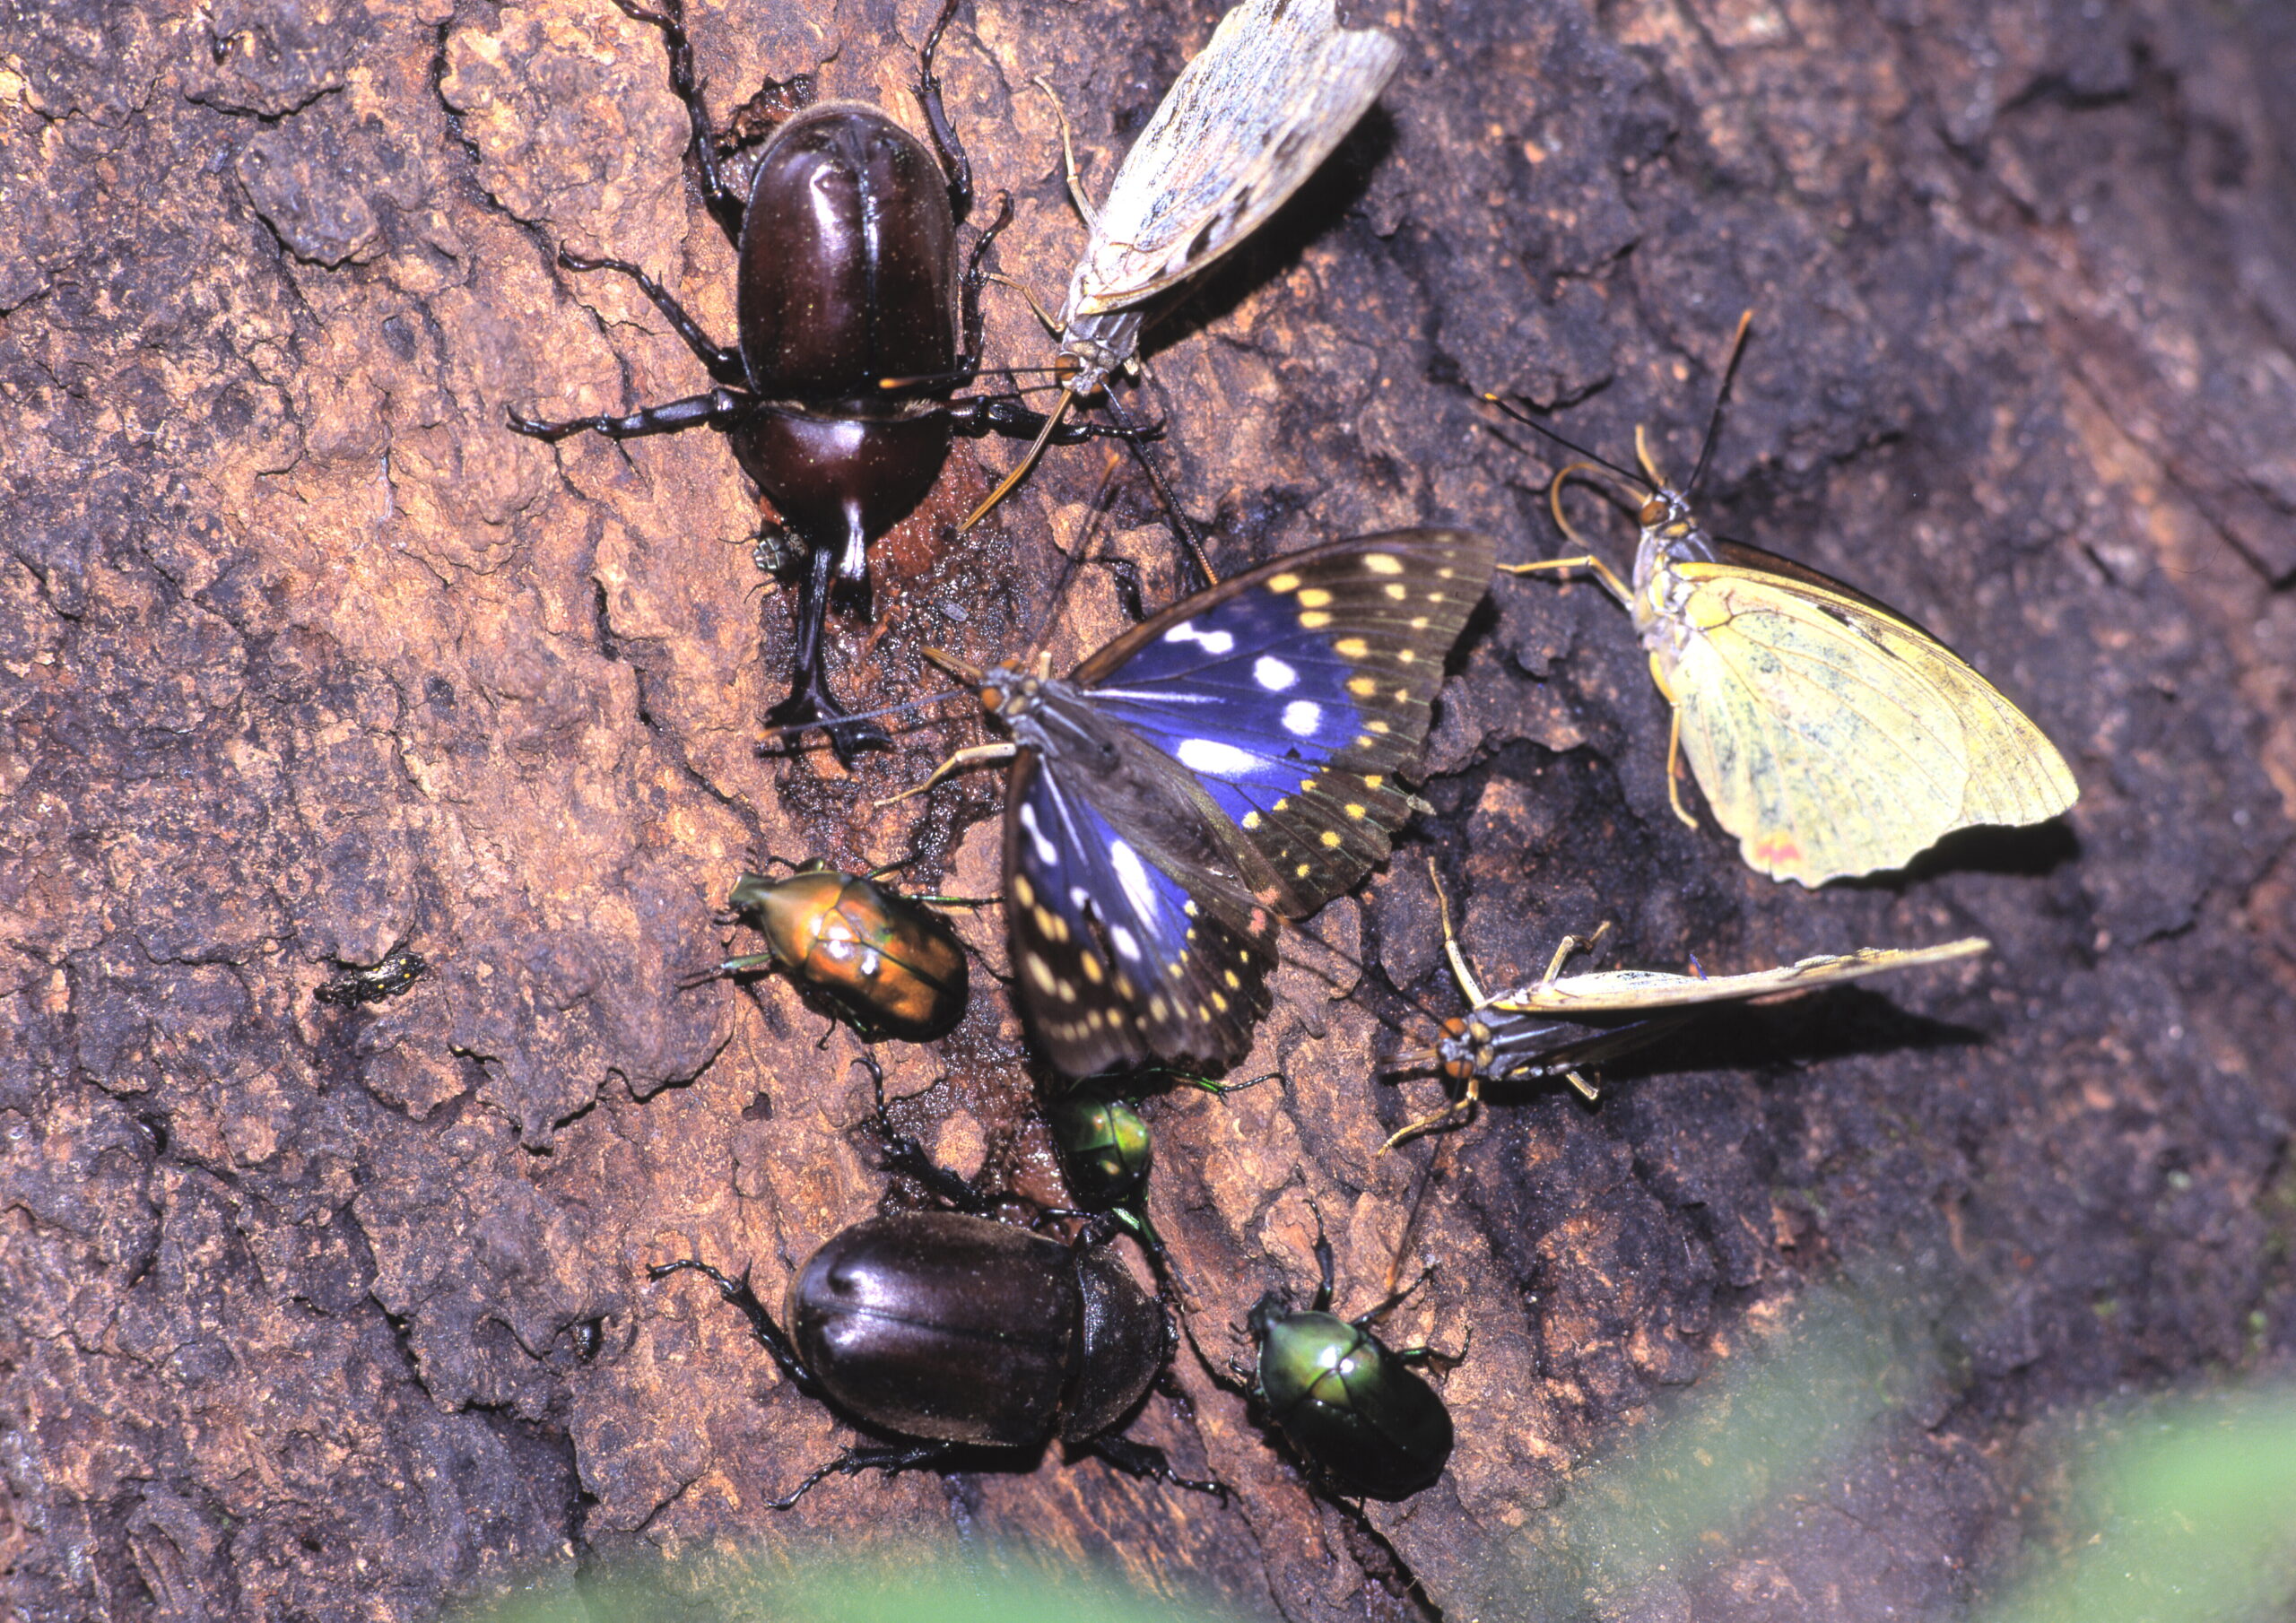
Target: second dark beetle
961	1332
848	278
1350	1406
886	964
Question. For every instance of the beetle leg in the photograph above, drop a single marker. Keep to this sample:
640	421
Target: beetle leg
975	278
725	365
954	164
1142	1460
762	1324
977	414
856	1458
718	409
725	205
810	699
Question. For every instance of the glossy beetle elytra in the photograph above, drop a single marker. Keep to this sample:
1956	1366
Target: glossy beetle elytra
886	964
956	1332
847	275
1350	1406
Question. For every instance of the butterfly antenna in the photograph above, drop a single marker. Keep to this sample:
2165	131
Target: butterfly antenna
828	722
1076	562
1518	414
1190	536
1721	399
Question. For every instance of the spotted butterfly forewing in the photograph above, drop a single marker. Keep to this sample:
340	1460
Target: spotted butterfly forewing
1222	765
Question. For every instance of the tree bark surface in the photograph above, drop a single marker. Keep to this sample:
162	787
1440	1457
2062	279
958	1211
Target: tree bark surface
329	1313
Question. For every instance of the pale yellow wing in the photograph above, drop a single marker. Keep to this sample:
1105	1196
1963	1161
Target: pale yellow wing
1625	990
1833	739
1247	120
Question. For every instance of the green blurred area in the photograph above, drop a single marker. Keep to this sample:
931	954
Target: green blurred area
2169	1509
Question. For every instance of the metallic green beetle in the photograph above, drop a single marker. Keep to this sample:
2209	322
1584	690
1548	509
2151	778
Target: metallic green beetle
1350	1406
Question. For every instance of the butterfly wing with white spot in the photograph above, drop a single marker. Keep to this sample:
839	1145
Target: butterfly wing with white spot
1296	690
1246	121
1117	962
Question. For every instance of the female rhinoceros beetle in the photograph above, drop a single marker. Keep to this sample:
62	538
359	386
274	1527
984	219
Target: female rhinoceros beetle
856	328
952	1331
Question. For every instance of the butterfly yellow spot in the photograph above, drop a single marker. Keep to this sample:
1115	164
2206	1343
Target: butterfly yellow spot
1235	981
1363	740
1220	1003
1381	726
1437	598
1067	992
1372	780
1331	839
1404	656
1251	820
1158	1008
1402	697
1092	970
1123	987
1307	785
1419	622
1396	590
1024	892
1178	968
1355	812
1351	648
1045	924
1382	563
1303	870
1280	804
1041	973
1362	687
1315	597
1285	582
1446	573
1093	1020
1204	1014
1188	908
1314	619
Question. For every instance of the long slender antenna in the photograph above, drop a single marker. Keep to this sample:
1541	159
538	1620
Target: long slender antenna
1721	399
1075	561
828	722
1190	536
1518	414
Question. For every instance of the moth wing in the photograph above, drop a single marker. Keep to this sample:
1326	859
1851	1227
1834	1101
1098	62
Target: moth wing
1834	739
1630	991
1278	86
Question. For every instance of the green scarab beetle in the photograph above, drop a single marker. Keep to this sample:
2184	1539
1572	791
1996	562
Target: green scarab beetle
884	962
1351	1407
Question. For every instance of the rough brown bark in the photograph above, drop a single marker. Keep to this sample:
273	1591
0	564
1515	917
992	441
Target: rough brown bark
337	1314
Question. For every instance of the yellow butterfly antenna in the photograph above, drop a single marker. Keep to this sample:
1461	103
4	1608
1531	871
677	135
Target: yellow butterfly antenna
1649	464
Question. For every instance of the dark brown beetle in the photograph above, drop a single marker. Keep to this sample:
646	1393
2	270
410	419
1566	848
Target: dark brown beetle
954	1333
847	279
884	962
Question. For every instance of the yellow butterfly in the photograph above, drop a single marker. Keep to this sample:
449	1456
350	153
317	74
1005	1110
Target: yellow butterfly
1561	1025
1249	119
1830	734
